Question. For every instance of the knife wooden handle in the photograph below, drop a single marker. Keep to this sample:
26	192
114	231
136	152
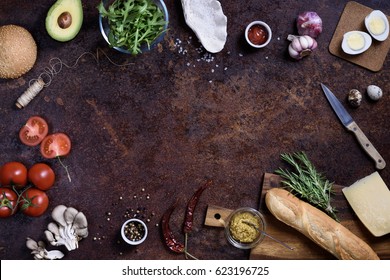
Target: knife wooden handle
367	146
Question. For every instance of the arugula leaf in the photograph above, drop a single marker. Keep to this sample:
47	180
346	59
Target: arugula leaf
133	23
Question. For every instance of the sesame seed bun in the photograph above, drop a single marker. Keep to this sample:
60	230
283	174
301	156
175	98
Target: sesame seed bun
18	51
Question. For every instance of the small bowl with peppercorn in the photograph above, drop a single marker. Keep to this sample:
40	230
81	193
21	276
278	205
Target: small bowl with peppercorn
258	34
245	227
134	231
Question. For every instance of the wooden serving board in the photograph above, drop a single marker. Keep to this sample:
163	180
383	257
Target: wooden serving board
351	19
304	248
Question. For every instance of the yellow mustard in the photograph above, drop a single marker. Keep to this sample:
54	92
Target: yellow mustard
244	232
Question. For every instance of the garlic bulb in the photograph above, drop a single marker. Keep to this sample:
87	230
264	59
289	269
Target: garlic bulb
301	46
309	23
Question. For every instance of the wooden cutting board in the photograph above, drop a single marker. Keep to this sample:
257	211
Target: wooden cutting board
304	248
352	18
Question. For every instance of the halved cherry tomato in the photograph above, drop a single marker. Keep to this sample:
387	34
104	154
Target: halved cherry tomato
55	145
13	173
41	176
33	132
34	202
8	200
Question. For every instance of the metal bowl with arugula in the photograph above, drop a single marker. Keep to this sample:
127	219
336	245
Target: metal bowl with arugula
133	26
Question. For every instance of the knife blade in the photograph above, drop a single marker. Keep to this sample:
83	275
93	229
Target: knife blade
350	124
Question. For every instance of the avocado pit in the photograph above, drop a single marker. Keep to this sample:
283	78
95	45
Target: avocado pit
64	20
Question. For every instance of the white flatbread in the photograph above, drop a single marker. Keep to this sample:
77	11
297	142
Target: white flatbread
207	20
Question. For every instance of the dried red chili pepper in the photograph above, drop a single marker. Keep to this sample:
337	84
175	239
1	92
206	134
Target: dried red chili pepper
191	205
169	238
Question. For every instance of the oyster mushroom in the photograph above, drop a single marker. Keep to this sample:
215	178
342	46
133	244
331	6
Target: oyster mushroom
70	228
39	251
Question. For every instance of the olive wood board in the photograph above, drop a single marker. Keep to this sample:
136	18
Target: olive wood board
351	19
304	248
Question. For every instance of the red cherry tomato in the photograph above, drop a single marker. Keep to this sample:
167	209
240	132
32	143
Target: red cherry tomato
34	202
41	176
33	132
55	145
8	200
13	174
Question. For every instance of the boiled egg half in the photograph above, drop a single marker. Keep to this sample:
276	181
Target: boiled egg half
356	42
377	25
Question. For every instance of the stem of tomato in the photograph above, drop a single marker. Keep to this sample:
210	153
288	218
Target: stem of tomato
19	197
65	167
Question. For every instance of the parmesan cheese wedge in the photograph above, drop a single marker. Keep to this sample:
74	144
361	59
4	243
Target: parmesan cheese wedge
370	200
207	20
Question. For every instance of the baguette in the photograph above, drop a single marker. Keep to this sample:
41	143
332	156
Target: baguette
318	226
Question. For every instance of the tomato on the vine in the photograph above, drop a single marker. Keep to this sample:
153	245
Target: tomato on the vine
8	202
34	202
13	173
33	132
55	145
41	176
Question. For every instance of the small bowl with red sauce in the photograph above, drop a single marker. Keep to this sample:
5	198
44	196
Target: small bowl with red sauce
258	34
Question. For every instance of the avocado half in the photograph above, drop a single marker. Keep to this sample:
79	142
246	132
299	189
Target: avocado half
64	19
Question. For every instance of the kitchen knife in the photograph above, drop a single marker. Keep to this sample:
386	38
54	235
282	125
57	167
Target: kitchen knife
348	122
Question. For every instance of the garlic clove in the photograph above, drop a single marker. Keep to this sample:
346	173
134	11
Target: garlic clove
296	45
304	42
291	50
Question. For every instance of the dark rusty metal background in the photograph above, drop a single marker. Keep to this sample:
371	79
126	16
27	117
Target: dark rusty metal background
152	132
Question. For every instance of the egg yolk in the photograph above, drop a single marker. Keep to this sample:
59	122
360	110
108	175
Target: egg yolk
355	41
377	25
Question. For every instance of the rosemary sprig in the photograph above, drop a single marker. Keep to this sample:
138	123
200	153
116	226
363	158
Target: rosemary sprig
307	182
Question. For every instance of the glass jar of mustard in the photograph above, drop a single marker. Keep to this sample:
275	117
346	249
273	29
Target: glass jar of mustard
243	228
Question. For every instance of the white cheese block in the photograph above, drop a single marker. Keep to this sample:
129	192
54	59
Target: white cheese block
370	200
